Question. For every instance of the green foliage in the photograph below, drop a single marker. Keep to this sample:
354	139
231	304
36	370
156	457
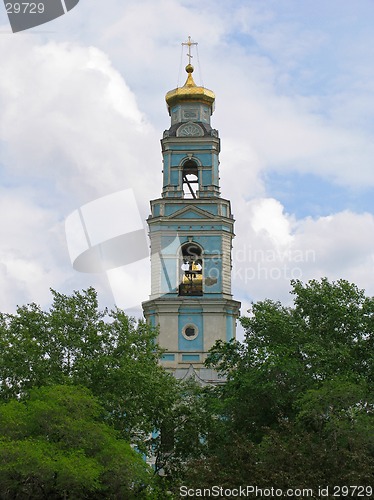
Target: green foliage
336	324
296	410
54	445
185	431
287	351
298	406
76	342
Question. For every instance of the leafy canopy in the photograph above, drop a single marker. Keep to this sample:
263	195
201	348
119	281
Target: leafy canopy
77	343
297	409
55	445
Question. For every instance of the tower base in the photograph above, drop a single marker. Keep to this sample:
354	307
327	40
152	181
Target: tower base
188	329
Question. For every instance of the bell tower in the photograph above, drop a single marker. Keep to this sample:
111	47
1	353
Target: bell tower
191	230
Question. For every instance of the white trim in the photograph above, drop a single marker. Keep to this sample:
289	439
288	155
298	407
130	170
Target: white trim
190	325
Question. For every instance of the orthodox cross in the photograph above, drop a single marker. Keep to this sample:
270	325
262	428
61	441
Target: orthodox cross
189	44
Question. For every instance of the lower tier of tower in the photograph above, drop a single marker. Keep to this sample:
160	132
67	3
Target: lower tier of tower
188	329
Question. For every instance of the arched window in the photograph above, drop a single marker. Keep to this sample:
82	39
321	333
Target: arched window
191	270
190	178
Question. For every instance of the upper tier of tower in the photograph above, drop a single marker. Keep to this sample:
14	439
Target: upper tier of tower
179	102
190	147
189	94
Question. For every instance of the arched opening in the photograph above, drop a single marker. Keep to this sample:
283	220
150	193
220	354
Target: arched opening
191	270
190	179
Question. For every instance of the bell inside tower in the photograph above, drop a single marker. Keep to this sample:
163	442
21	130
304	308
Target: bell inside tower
191	270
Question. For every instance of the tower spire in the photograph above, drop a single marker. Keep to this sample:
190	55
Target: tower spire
189	44
190	92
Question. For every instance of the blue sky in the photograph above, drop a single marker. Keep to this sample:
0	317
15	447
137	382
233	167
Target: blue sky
83	110
310	195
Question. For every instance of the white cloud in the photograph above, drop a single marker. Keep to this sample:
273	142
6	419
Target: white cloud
29	250
69	116
260	59
70	131
83	112
267	215
337	246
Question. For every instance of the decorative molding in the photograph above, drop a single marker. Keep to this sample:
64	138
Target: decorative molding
190	130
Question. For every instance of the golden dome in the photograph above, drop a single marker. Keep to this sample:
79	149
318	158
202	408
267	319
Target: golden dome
189	92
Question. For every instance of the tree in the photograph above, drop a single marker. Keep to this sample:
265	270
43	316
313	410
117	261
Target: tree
55	445
105	351
297	407
184	431
288	350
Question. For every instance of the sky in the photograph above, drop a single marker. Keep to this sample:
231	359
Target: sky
82	112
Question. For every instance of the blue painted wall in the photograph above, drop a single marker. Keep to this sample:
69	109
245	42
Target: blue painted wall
190	316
